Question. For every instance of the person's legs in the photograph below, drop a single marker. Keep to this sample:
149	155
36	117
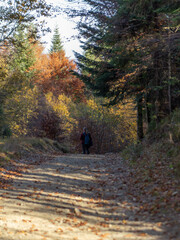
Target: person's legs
83	148
87	148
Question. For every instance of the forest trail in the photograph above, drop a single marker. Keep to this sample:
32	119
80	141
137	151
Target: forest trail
75	197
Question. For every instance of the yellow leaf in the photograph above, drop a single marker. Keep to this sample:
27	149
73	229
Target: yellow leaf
124	221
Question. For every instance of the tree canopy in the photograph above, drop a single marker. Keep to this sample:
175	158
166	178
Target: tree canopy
14	13
131	50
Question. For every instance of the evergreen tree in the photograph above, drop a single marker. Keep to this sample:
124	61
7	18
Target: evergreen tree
22	51
135	53
56	42
22	58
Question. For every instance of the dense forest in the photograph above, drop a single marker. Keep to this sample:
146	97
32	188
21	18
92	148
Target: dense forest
122	85
131	51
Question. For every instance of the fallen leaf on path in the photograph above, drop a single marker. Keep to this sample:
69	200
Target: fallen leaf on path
159	224
70	229
80	224
20	197
94	230
59	230
104	235
21	232
52	221
105	225
124	221
58	219
128	235
142	234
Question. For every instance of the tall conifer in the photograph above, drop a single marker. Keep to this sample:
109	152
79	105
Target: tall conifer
56	45
135	54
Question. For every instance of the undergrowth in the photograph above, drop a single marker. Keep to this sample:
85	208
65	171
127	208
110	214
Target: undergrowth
155	165
160	145
12	148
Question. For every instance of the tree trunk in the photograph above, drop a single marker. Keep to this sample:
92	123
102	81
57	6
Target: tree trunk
169	67
140	133
148	110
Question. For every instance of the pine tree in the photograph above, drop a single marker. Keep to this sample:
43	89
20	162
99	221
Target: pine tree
130	49
56	42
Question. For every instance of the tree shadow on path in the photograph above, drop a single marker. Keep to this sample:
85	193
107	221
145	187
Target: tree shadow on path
81	187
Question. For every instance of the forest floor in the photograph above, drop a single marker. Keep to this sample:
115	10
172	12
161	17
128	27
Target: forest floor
78	197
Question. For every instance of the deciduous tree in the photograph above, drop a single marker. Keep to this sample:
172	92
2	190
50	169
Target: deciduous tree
54	74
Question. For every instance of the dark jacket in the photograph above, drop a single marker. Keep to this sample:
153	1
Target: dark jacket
82	138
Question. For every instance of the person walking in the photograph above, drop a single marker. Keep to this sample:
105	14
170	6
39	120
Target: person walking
86	141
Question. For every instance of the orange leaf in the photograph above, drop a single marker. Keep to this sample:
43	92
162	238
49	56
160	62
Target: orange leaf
142	234
128	235
59	230
104	235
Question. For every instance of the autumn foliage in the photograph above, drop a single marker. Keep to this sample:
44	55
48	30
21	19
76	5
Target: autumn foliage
54	74
45	99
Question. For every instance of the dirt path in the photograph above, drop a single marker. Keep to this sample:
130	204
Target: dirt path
76	197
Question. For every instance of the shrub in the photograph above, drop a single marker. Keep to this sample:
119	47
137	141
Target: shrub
46	122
